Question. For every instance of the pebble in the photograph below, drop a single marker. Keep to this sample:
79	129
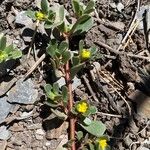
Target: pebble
23	92
120	7
38	137
40	132
23	19
4	133
5	108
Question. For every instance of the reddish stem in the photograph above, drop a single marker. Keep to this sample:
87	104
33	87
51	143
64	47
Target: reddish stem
70	105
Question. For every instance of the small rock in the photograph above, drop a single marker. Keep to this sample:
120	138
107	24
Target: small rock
16	127
113	5
5	108
39	137
120	7
30	107
133	126
3	145
119	25
143	103
23	93
61	82
127	141
23	19
63	141
4	133
26	114
40	132
75	84
34	126
38	3
142	148
5	86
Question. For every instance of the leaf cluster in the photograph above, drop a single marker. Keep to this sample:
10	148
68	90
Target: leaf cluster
8	52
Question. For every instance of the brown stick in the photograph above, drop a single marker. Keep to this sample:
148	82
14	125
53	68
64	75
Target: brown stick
70	105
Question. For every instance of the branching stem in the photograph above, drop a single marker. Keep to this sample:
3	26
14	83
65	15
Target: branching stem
70	103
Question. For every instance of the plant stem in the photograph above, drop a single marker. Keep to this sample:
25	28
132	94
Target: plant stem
33	37
70	104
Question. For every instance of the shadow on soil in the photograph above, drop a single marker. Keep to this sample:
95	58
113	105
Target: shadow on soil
121	130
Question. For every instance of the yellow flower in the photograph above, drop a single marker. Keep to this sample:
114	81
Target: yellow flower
3	56
102	143
40	16
82	107
85	54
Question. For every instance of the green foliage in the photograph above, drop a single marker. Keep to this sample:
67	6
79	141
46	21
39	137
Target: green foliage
75	69
82	25
96	128
80	9
8	52
44	7
59	53
65	95
79	135
59	114
55	95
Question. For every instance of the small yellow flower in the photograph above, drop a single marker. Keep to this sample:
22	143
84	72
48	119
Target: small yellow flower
82	107
85	54
40	16
102	143
3	56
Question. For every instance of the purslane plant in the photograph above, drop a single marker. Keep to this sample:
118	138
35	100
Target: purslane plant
8	52
67	63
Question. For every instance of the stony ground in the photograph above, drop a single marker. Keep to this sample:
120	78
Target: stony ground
117	83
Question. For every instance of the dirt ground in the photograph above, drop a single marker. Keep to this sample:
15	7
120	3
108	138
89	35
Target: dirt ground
118	83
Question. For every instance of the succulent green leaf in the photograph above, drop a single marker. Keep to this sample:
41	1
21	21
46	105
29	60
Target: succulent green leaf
2	43
63	47
58	73
93	50
15	54
66	56
48	25
48	88
92	110
30	14
61	27
53	64
52	47
90	7
76	7
51	103
79	135
81	45
75	60
9	49
59	114
83	24
87	121
91	146
51	16
61	13
44	6
65	94
56	88
96	128
76	69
